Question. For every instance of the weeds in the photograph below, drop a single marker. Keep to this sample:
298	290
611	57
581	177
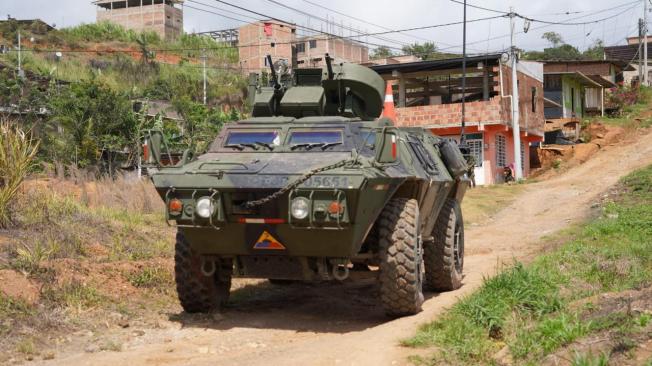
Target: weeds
590	360
27	347
73	295
527	307
151	277
17	151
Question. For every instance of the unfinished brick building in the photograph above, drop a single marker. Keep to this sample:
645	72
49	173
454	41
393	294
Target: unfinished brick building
429	95
165	17
258	39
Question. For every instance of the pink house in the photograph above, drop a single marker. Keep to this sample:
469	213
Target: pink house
428	94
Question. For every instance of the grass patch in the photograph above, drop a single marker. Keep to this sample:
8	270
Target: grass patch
151	277
628	116
74	295
529	308
481	203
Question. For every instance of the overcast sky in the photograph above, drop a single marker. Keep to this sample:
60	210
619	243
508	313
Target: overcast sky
391	14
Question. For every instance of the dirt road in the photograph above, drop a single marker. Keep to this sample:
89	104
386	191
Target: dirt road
341	324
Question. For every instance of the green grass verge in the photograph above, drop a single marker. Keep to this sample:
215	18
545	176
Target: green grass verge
529	309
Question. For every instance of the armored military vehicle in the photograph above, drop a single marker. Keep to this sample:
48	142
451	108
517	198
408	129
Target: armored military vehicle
316	186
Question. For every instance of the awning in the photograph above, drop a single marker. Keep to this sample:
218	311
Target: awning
580	77
602	81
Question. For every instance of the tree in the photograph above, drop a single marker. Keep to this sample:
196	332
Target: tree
426	51
381	52
88	118
554	38
595	51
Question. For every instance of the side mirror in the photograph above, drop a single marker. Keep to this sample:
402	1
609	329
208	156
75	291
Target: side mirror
152	145
387	149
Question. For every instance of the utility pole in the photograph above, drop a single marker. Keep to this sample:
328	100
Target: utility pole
516	128
20	58
645	67
462	136
203	58
640	51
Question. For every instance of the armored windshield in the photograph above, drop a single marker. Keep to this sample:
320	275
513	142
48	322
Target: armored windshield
253	137
316	137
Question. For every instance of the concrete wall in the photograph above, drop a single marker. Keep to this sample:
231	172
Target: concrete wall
165	20
572	90
490	172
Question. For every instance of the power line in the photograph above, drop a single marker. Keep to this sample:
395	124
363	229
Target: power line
574	18
480	7
359	19
328	22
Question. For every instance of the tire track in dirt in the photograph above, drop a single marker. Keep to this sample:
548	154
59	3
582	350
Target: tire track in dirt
342	324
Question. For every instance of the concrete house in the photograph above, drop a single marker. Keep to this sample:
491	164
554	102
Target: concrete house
574	90
429	95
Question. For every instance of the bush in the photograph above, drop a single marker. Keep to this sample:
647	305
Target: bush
622	97
106	31
17	151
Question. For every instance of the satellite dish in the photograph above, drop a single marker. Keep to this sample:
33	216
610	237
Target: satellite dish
504	58
32	39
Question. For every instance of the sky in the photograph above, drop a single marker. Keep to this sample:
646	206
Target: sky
368	15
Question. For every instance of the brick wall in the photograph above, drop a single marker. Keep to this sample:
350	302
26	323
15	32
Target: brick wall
340	49
255	45
165	20
495	110
450	114
531	120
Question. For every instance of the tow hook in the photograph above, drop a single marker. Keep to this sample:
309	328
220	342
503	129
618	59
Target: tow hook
207	266
340	272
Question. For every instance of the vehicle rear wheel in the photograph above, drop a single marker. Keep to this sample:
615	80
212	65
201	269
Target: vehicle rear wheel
199	293
444	256
401	260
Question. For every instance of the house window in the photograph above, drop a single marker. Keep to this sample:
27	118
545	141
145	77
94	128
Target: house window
313	43
501	156
534	100
572	102
301	47
474	140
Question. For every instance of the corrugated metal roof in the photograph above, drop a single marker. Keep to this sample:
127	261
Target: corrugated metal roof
430	65
628	53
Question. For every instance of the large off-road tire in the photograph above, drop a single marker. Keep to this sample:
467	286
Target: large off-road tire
197	292
444	256
401	259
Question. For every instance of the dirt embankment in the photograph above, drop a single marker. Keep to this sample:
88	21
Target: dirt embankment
341	323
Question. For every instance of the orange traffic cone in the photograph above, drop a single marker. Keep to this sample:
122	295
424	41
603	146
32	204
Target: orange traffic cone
388	109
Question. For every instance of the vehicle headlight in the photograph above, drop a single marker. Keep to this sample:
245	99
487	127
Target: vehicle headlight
300	207
205	207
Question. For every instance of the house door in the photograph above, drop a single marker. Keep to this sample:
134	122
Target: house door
475	142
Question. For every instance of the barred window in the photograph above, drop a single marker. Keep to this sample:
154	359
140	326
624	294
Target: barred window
501	156
474	141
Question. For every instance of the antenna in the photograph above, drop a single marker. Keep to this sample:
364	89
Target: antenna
462	138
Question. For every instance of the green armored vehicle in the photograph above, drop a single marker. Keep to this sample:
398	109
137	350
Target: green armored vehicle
316	186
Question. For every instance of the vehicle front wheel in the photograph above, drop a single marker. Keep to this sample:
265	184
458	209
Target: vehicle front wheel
401	259
444	255
199	293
